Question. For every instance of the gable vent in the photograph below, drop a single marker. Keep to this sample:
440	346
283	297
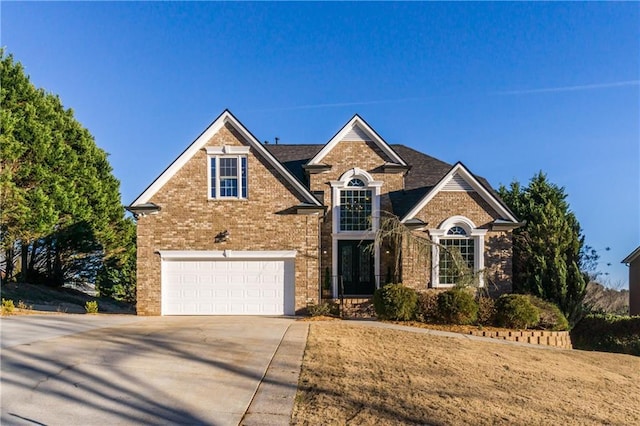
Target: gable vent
356	134
457	183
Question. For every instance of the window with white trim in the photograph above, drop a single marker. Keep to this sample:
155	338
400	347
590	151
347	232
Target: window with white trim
228	176
458	245
457	252
355	207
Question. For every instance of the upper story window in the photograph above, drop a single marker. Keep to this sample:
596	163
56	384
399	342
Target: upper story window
355	209
355	199
228	173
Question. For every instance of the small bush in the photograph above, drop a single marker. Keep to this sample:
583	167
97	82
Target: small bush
24	306
486	310
323	309
7	307
91	307
457	306
395	302
607	333
551	318
516	311
427	307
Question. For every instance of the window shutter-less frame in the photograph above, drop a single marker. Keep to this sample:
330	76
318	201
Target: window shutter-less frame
229	177
214	177
244	177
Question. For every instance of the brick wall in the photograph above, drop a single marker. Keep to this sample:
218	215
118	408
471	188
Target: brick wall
188	220
559	339
416	268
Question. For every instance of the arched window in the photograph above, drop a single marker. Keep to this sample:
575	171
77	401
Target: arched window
355	206
456	230
458	249
356	182
457	255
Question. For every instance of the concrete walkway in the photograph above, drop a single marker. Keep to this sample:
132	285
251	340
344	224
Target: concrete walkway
274	400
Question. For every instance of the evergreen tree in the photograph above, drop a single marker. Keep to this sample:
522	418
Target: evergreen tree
547	250
60	208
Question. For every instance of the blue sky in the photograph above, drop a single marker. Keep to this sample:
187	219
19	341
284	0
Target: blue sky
507	88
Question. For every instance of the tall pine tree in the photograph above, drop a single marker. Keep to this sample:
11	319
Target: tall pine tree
61	218
547	250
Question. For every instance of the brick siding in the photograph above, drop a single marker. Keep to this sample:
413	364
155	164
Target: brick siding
416	269
266	220
188	220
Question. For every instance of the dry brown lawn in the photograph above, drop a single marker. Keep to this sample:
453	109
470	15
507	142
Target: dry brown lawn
356	374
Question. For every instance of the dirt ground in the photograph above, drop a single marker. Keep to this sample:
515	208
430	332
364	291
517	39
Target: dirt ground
353	374
40	299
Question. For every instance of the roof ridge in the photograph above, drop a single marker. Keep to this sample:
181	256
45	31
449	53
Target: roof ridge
291	144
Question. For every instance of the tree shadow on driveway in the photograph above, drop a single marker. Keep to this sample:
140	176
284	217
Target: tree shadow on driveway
197	370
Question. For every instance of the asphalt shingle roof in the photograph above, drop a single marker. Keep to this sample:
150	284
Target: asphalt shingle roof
425	172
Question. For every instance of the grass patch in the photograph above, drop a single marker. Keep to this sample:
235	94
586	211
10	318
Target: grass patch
355	374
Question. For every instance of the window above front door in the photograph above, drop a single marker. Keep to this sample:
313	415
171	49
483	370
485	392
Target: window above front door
356	202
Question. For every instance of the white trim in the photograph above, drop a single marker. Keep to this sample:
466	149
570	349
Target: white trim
226	254
338	185
632	256
227	149
375	138
239	170
460	169
201	141
441	233
337	234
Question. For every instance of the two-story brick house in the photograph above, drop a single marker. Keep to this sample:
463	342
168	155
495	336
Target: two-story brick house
234	226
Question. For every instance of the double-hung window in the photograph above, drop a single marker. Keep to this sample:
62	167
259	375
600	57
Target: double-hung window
228	176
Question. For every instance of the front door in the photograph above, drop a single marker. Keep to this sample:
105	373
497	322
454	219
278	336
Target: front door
356	267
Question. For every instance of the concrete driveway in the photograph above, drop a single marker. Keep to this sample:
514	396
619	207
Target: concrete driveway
84	370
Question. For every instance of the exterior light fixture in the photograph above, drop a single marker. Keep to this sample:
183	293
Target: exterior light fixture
222	236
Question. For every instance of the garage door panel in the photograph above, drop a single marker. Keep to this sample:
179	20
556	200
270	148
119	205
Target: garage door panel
227	287
253	293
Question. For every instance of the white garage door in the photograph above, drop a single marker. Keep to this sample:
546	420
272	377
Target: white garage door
227	283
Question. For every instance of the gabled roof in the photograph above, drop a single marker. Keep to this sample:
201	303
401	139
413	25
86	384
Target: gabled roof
426	172
459	170
632	256
360	130
201	141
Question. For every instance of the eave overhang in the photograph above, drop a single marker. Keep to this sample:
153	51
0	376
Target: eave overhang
505	225
316	168
305	208
395	167
633	256
416	224
142	210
